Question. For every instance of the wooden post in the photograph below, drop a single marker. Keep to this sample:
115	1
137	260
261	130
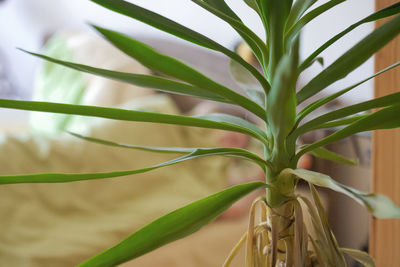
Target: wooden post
385	234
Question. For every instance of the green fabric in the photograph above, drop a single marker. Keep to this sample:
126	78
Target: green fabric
55	83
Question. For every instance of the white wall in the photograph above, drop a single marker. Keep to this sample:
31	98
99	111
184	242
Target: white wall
23	23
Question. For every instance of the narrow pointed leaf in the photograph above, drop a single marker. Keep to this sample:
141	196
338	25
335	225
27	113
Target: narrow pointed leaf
383	13
319	60
175	68
171	227
170	26
378	205
352	59
227	151
324	153
158	83
276	13
168	150
252	4
212	121
72	177
313	106
337	123
298	9
254	42
222	6
387	118
361	256
295	29
384	101
281	101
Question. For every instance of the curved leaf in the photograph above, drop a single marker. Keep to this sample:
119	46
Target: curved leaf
383	101
387	118
379	205
222	6
171	227
324	153
173	67
217	121
313	106
73	177
338	123
169	150
353	58
298	9
255	43
227	151
253	4
320	60
383	13
158	83
170	26
295	29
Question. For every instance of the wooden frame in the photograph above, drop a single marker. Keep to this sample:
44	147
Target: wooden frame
385	234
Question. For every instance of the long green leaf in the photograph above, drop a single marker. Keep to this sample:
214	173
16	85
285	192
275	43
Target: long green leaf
256	5
383	101
281	101
387	118
338	123
353	58
361	256
254	42
222	6
379	205
170	26
72	177
212	121
324	153
168	150
295	29
276	13
313	106
228	151
171	227
298	9
383	13
158	83
253	4
172	67
319	60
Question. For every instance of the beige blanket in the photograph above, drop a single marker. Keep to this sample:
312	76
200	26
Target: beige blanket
63	224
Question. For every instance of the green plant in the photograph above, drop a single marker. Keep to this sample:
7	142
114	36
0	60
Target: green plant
281	236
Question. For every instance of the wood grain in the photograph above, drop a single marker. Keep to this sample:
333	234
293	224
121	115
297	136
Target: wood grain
385	234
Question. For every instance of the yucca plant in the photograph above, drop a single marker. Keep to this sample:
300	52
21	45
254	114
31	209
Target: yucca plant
278	237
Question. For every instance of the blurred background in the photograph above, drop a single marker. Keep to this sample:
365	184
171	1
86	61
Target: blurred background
28	24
